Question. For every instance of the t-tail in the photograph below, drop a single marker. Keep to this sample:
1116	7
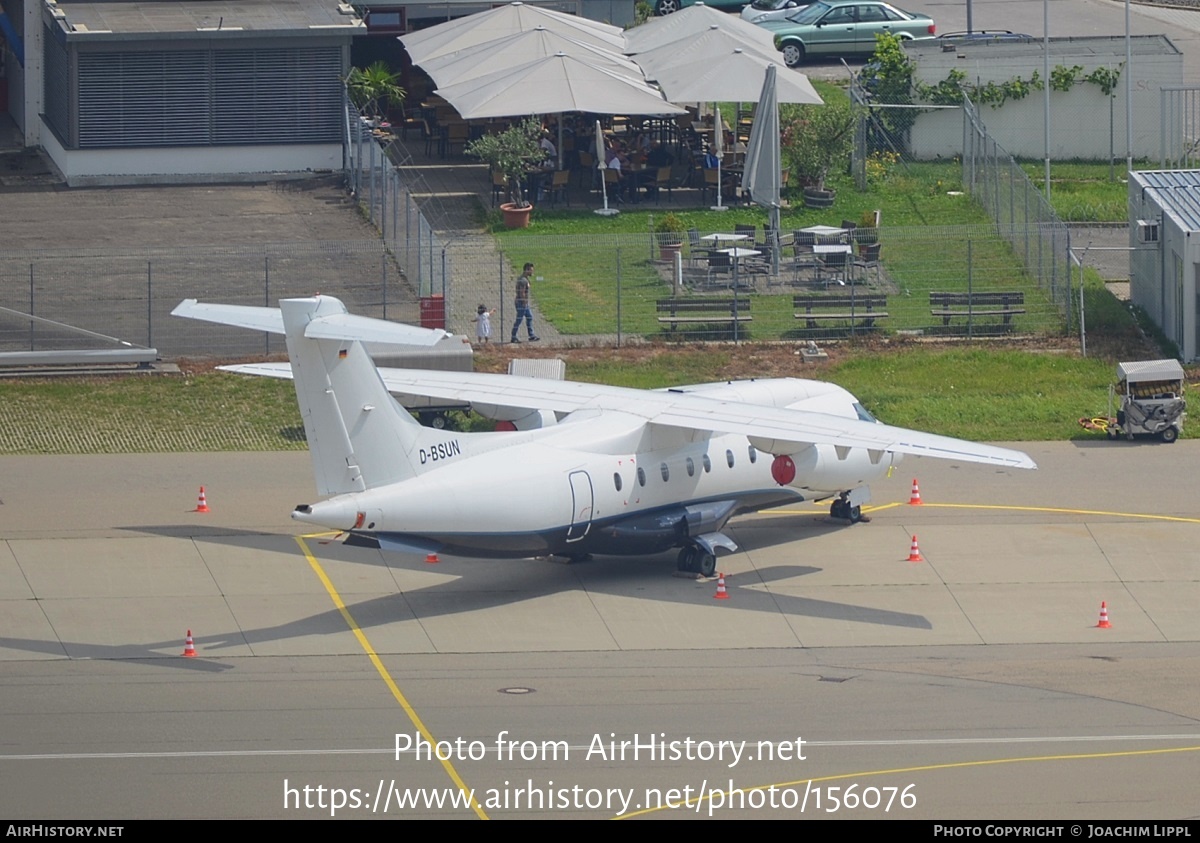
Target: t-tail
360	438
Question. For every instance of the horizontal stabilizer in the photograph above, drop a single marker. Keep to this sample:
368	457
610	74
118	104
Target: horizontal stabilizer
239	315
335	326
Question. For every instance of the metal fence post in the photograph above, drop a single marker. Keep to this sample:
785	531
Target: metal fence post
618	297
149	306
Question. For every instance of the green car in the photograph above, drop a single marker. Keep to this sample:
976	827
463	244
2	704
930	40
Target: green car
843	28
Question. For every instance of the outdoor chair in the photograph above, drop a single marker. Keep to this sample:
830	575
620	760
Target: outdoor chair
802	253
559	183
833	267
696	249
499	186
711	183
718	263
868	258
662	181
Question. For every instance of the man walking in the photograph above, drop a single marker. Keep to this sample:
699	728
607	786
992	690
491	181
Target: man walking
522	302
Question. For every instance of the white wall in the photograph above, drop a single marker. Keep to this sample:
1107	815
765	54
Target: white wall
1082	123
184	164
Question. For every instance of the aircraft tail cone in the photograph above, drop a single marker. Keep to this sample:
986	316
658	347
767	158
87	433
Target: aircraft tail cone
914	555
721	594
202	506
1104	624
915	498
189	646
431	559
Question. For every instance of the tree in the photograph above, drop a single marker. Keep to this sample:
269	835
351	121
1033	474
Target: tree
815	138
374	86
513	152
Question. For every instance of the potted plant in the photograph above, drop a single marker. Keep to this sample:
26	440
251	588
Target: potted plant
668	231
514	153
868	227
374	89
815	139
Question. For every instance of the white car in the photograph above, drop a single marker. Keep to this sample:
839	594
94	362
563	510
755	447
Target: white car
763	10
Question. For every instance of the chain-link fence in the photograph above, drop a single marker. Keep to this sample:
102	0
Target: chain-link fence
388	203
78	297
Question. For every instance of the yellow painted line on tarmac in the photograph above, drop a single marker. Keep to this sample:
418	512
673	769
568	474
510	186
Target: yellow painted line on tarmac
955	765
1054	509
383	671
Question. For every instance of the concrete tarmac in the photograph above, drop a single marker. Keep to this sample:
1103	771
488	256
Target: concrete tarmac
312	657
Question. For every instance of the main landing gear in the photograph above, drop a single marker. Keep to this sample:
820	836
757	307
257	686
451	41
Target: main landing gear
842	508
694	559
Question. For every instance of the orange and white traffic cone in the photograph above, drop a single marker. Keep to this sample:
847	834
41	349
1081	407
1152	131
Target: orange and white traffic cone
721	594
431	559
1104	624
203	505
914	554
915	498
189	647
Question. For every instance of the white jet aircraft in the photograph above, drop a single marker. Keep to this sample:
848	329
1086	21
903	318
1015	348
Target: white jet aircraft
586	469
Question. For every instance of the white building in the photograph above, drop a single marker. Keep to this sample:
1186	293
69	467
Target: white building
1164	225
144	90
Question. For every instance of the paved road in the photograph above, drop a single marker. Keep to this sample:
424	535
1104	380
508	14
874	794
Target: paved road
987	650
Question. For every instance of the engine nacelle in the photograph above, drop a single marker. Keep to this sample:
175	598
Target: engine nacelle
828	468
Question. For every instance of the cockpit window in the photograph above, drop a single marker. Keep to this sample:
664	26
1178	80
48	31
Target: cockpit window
864	414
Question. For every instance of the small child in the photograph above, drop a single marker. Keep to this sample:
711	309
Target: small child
483	324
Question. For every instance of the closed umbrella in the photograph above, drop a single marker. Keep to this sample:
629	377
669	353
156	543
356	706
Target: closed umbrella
719	151
761	175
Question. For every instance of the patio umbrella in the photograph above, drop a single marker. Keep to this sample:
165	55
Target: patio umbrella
761	175
691	22
733	76
473	30
718	148
520	48
713	41
554	84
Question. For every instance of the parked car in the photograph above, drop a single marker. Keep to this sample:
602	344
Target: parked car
761	10
667	7
843	27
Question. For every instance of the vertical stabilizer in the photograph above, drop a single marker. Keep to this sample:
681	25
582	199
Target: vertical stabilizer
358	435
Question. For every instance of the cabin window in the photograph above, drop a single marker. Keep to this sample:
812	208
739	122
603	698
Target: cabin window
617	480
753	454
666	472
707	464
729	458
641	477
691	467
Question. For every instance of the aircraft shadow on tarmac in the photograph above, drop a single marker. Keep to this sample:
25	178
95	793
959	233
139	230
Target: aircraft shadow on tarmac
475	585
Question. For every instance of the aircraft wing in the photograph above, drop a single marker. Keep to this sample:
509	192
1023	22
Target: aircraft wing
790	429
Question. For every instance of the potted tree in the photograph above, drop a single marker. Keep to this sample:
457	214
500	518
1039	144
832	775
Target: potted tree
374	89
815	139
514	153
668	231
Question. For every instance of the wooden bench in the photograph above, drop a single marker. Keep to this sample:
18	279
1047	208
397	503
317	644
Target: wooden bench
703	311
949	305
866	308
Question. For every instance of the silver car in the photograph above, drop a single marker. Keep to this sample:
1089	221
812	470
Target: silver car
761	10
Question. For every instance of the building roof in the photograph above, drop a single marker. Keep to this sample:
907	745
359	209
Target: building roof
174	17
1177	192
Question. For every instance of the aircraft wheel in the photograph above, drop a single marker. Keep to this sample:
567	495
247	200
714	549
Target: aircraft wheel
687	560
839	509
855	513
706	563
